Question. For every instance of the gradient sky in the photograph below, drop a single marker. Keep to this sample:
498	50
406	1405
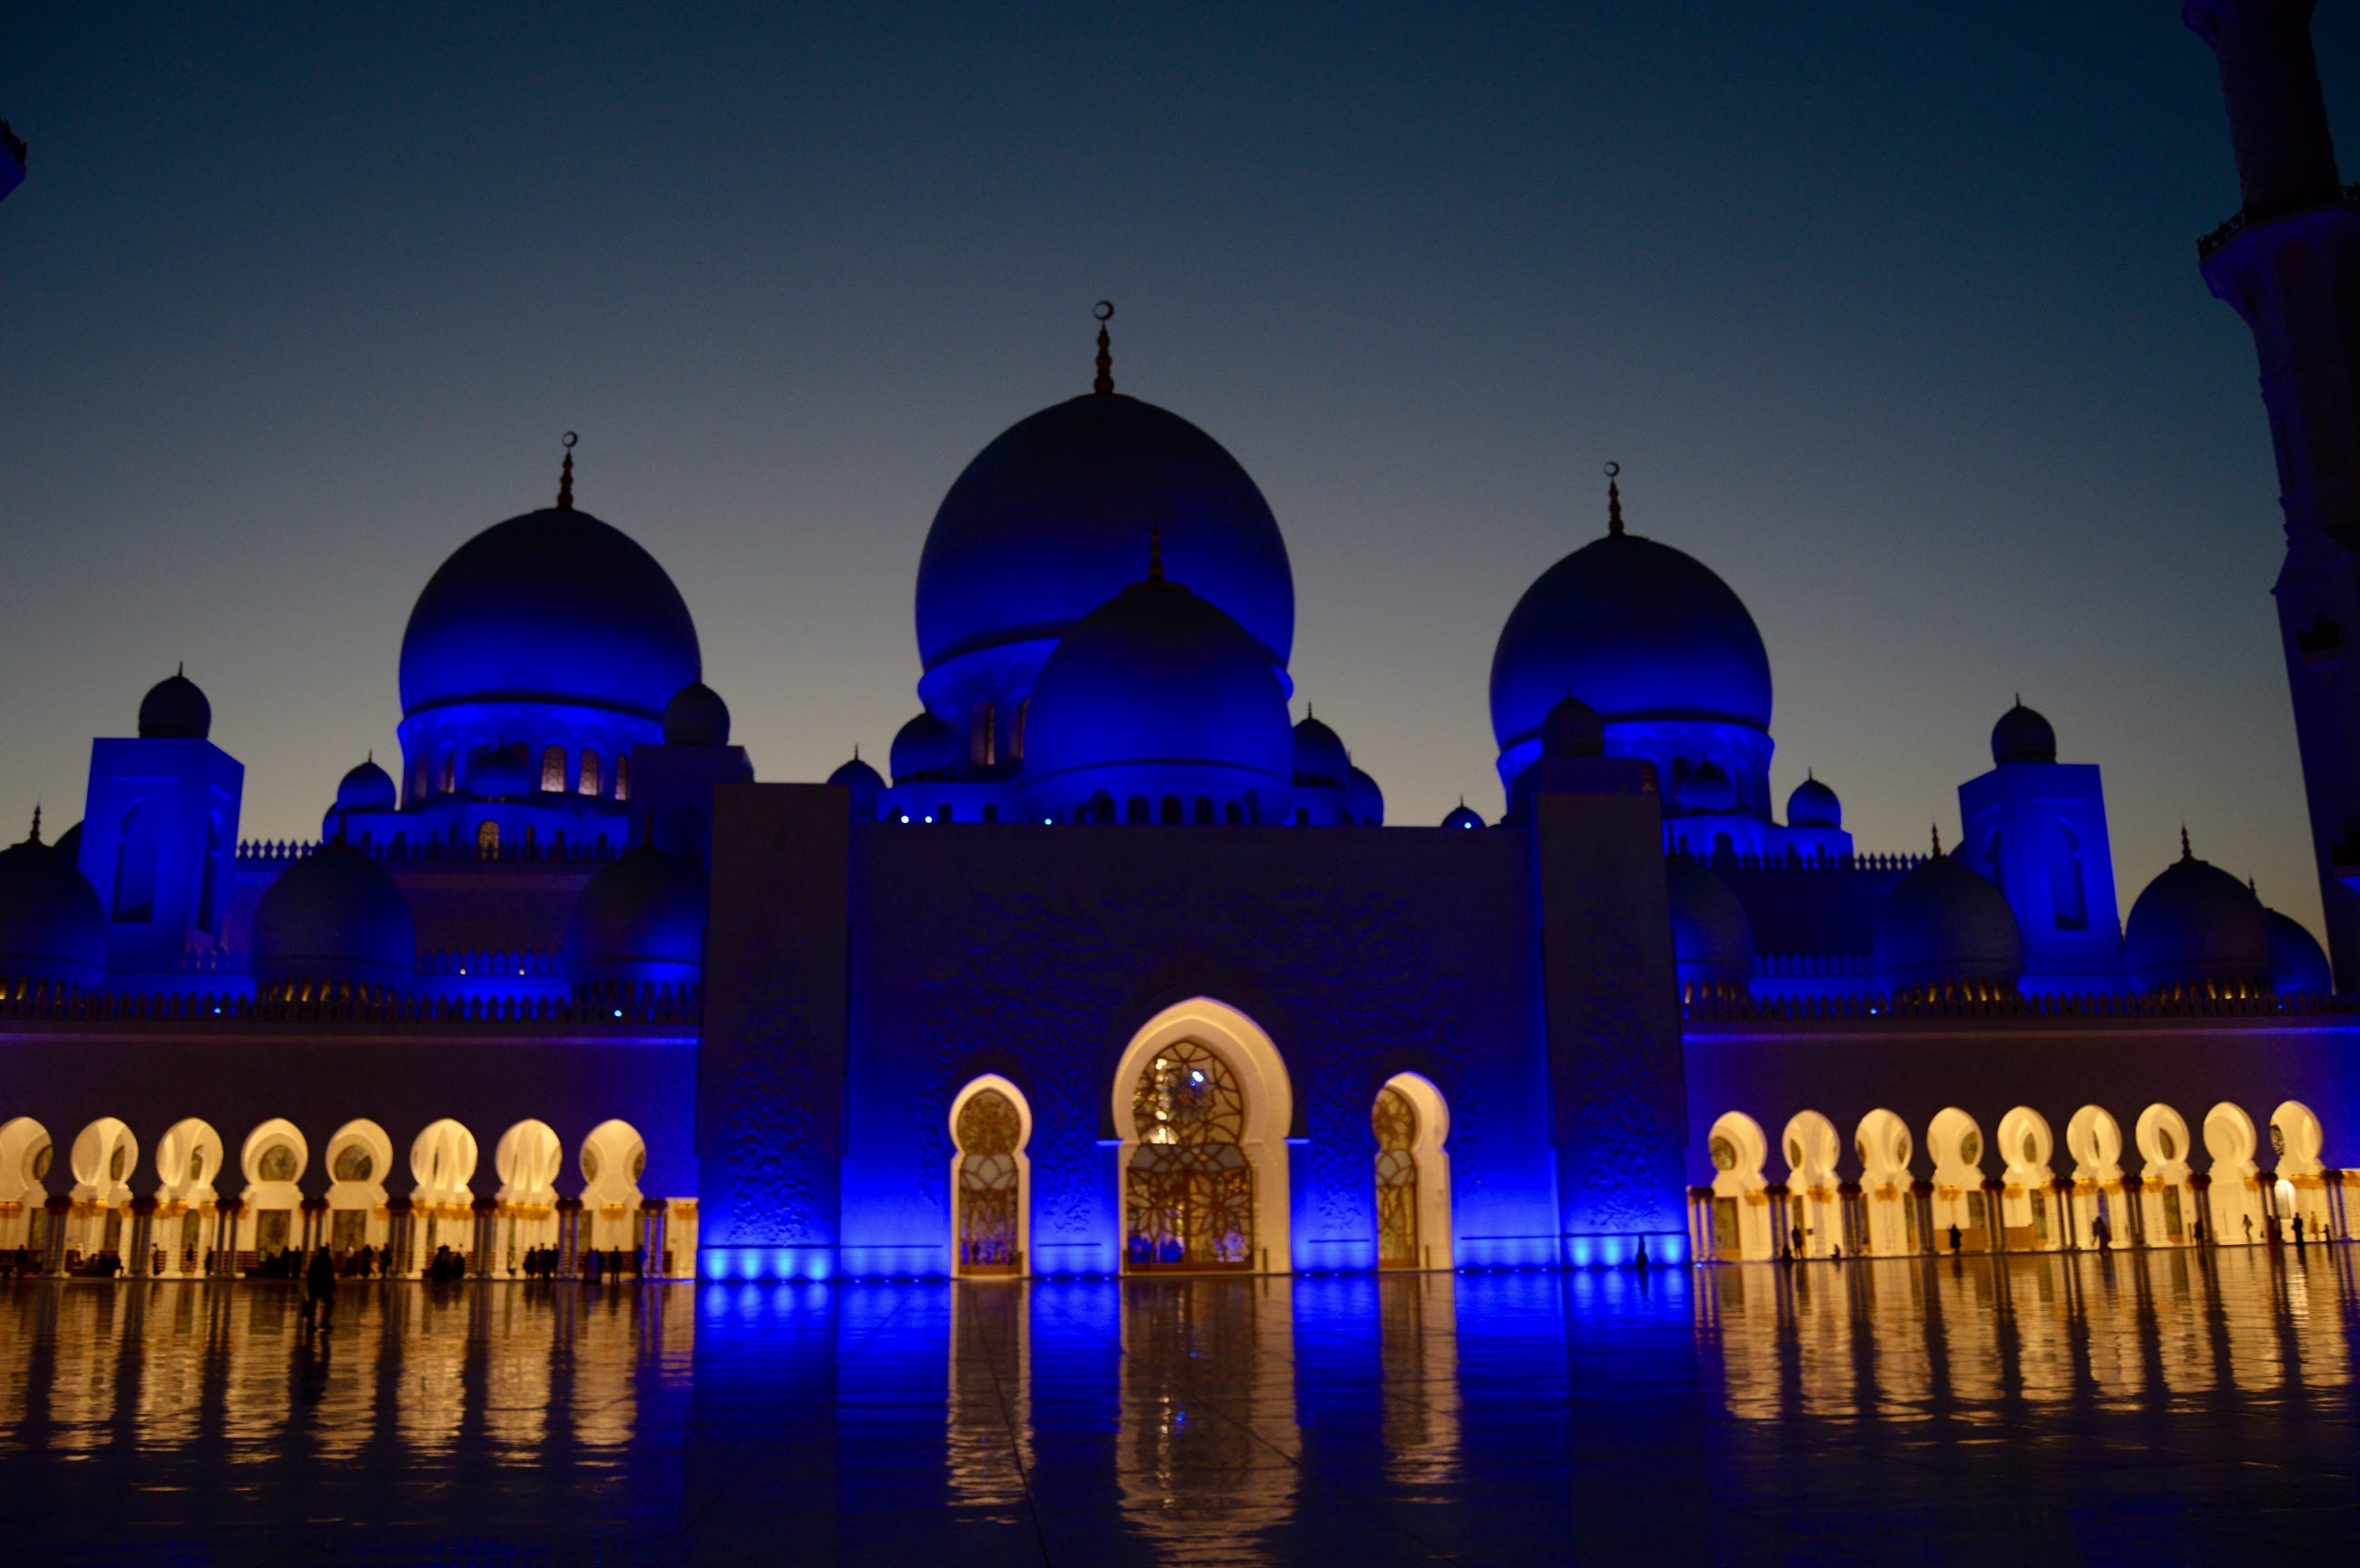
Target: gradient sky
1890	314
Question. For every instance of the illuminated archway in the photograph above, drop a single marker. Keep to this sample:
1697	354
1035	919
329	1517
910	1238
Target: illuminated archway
1245	1104
1812	1148
2237	1190
2026	1211
2297	1139
26	1153
187	1157
273	1158
614	1158
991	1179
360	1158
2166	1197
1885	1148
1742	1230
1955	1141
1411	1122
2095	1138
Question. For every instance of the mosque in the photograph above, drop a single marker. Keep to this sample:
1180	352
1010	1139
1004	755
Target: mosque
1117	968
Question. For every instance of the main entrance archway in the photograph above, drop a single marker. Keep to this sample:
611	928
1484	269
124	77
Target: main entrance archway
1203	1104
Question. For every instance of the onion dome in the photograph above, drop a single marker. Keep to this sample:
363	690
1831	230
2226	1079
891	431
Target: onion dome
1642	630
1158	681
1461	817
1706	791
866	786
1572	728
1814	805
2022	735
640	919
2196	926
334	917
2297	964
1943	927
1363	801
553	606
1712	938
53	925
174	709
1319	755
497	773
367	788
697	717
926	748
1044	527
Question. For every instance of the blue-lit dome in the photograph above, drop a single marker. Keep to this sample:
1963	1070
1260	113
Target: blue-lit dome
1460	816
2196	926
1639	630
2023	735
1814	805
865	784
367	788
697	717
1319	755
53	925
1942	927
553	606
174	709
1712	937
1363	801
1051	520
1157	683
2297	964
926	748
640	919
334	917
1572	729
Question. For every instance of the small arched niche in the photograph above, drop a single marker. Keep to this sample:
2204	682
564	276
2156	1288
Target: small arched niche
990	1180
1411	1123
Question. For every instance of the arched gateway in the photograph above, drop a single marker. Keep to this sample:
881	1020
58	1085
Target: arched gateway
1203	1102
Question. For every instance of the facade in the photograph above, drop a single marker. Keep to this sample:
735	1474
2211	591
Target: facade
1117	968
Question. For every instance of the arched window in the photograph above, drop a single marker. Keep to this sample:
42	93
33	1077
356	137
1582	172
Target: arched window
1233	814
1023	712
986	735
1394	1120
591	779
1993	862
488	841
135	865
623	777
1188	1195
450	771
988	1131
2068	897
1135	810
552	771
1205	810
209	883
1170	810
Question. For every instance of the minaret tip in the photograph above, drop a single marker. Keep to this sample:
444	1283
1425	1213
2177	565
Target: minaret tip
1104	384
2185	853
1613	501
1938	841
37	823
565	475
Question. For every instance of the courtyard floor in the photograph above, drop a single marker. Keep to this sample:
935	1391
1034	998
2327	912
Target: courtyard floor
2166	1407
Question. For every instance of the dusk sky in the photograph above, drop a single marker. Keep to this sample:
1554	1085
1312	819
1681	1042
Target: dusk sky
1890	314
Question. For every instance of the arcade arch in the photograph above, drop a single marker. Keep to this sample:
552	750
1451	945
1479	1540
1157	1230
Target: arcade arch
527	1160
1955	1142
1202	1098
441	1162
26	1153
2241	1211
105	1155
991	1179
187	1157
2167	1208
1812	1148
613	1159
1884	1146
2028	1210
2095	1140
360	1156
273	1158
1741	1229
1411	1122
2297	1139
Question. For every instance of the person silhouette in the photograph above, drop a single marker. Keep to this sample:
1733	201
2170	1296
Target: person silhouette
1956	1238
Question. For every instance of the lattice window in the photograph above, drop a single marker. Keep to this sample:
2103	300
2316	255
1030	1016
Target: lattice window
988	1129
1394	1120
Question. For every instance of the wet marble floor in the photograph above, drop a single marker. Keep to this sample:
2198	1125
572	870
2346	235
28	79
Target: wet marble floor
2161	1408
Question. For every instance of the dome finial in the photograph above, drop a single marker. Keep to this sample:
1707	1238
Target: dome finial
1613	501
1104	384
565	475
1938	841
36	837
1155	551
2185	853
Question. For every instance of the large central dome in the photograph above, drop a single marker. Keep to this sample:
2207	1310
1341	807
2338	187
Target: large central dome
1051	520
1636	629
553	606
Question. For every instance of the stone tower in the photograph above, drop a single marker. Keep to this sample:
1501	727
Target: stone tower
2290	264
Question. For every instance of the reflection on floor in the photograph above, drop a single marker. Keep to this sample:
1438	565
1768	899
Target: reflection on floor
2180	1405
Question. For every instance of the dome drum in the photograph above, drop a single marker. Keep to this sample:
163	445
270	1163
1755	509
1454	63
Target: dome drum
440	748
1182	793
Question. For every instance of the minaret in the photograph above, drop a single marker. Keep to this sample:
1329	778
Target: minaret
2290	264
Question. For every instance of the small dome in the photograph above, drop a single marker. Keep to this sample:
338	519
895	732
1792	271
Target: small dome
1943	925
334	915
1461	817
862	780
367	788
53	925
1814	805
2023	735
552	606
174	709
1157	678
497	773
926	748
697	717
1712	938
1706	791
1641	630
2297	964
1047	524
640	919
2196	925
1319	755
1572	729
1364	800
